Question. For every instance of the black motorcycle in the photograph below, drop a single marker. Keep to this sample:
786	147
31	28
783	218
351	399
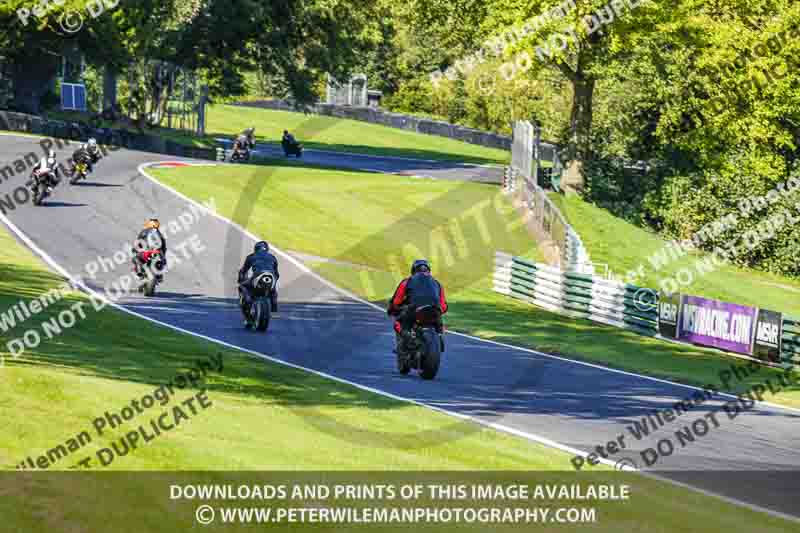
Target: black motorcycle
423	345
292	148
258	313
42	184
78	171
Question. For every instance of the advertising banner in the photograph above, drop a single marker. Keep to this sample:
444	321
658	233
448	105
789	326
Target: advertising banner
769	329
669	310
718	324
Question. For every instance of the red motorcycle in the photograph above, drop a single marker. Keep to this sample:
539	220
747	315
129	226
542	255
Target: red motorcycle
153	264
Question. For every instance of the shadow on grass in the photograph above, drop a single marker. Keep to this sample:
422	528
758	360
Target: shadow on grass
111	345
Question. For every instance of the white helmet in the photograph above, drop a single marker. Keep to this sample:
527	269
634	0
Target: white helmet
92	144
51	158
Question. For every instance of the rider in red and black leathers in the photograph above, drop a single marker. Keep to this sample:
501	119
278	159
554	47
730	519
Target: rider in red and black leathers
414	292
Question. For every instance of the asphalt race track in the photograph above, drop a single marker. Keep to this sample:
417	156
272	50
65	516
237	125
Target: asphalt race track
394	165
752	458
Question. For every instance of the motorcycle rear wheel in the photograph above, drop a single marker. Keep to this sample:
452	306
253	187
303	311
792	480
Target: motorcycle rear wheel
262	310
432	355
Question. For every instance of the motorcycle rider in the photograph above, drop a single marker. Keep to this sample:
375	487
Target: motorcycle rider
48	165
241	144
288	138
260	261
150	238
93	150
249	134
418	290
82	155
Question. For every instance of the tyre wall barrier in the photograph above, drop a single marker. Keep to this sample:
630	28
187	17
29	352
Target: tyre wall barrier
604	301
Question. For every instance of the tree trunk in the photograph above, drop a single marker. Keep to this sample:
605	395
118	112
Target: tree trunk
580	133
109	88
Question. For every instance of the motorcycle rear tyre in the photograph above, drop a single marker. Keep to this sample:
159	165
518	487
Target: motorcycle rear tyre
432	356
261	311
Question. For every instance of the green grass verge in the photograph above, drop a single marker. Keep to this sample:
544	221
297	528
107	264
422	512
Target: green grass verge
624	247
325	133
379	223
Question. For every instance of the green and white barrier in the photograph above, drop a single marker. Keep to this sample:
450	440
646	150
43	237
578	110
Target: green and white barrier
790	348
621	305
577	295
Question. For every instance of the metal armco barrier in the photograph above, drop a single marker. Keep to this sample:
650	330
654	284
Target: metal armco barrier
608	302
520	183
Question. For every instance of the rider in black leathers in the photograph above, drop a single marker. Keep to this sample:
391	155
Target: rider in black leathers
260	261
420	289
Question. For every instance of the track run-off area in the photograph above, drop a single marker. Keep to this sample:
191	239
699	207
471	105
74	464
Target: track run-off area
573	406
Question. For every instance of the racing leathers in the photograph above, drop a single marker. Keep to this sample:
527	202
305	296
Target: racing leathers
149	239
241	144
414	292
255	264
45	166
82	155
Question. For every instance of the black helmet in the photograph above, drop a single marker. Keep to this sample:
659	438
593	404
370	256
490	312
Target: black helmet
420	265
261	247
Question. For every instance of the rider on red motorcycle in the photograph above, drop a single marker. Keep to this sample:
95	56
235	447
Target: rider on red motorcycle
150	240
414	292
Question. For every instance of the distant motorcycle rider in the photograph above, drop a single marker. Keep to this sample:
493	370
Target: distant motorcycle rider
149	239
288	138
48	165
260	261
250	135
82	155
241	144
418	290
93	150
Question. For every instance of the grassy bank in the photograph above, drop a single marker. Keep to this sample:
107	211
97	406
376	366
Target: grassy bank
625	247
382	222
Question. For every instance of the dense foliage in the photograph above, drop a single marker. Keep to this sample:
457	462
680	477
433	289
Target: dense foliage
702	94
705	94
